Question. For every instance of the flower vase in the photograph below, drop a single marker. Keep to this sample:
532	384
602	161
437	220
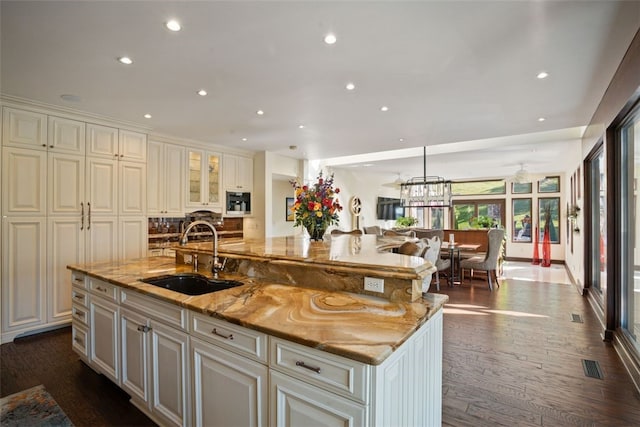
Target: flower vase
546	248
316	231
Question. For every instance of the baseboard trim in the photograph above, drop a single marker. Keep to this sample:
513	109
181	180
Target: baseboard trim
10	336
631	363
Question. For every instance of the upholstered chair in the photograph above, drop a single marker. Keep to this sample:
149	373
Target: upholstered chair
374	229
442	264
490	261
412	248
431	254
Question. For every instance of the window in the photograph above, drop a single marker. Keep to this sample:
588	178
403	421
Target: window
478	188
549	218
521	188
477	214
549	184
521	217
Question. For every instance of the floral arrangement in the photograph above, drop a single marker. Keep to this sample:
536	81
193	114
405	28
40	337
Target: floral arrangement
316	206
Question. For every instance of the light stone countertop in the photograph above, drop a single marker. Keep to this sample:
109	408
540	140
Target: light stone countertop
360	327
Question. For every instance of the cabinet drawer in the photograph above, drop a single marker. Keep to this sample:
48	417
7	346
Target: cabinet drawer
334	373
80	313
247	342
79	296
168	313
102	288
78	279
80	340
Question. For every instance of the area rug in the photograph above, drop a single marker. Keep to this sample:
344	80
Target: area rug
32	407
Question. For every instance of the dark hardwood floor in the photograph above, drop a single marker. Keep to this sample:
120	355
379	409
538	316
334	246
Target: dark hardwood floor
512	357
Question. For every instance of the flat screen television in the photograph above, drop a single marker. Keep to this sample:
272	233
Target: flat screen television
389	208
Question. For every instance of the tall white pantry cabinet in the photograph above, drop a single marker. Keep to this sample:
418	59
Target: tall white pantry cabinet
69	189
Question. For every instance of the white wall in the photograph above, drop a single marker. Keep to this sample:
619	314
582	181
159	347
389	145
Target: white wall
280	190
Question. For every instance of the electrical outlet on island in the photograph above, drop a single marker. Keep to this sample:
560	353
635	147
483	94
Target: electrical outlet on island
373	284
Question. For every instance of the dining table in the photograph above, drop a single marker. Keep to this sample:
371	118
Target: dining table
455	276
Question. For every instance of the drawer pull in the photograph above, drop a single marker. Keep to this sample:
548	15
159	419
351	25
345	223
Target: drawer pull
101	289
78	340
78	296
80	313
311	368
144	328
226	337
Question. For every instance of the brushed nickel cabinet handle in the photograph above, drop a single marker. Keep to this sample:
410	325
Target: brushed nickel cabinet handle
81	216
227	337
311	368
78	296
78	340
101	289
144	328
89	216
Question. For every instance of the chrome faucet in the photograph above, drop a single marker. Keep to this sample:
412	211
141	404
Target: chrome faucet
216	266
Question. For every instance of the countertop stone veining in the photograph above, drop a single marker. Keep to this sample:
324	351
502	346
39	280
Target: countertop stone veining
360	327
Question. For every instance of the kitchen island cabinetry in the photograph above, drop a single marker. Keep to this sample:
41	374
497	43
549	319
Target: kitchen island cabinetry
104	329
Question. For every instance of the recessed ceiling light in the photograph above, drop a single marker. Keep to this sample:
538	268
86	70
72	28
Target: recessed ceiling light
401	140
173	25
125	60
260	112
147	116
202	92
244	139
71	98
542	75
330	38
300	126
350	86
384	108
541	119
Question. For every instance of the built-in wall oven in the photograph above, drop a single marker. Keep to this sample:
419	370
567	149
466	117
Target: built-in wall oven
238	203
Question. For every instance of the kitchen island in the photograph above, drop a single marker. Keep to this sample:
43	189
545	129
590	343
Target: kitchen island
267	352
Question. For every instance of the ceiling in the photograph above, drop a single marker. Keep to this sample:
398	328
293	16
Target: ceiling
457	77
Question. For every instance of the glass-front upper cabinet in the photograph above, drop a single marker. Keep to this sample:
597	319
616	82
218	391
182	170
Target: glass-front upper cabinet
204	180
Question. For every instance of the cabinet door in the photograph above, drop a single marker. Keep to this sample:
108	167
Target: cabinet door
194	182
170	369
222	381
174	180
24	177
101	186
135	354
102	238
24	129
66	192
66	136
65	242
102	141
204	184
104	337
156	179
296	403
133	237
132	146
23	272
132	187
245	173
212	180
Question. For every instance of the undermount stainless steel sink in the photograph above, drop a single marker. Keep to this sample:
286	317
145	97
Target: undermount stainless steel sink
191	283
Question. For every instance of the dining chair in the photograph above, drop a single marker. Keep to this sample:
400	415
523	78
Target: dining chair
356	232
373	229
490	261
442	264
431	254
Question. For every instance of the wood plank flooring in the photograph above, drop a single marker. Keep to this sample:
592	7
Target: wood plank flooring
512	357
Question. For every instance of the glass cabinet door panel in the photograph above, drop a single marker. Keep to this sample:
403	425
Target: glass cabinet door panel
195	176
214	178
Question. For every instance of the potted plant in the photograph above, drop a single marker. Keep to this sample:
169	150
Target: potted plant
406	221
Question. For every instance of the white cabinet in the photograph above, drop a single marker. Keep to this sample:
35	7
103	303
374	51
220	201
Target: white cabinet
113	143
23	273
295	403
132	188
104	354
204	186
155	358
24	129
24	178
165	179
238	173
228	389
66	181
66	136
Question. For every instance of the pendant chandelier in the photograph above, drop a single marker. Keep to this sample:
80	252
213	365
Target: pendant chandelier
425	191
